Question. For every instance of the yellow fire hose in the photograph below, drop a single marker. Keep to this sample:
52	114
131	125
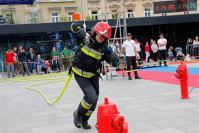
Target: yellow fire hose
60	94
35	77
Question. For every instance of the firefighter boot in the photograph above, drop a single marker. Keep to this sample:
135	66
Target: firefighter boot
136	75
78	116
77	119
129	75
85	124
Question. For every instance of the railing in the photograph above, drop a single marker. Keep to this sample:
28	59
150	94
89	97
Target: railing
62	64
192	50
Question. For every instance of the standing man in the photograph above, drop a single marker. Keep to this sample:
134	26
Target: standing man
31	60
129	49
86	67
22	57
162	43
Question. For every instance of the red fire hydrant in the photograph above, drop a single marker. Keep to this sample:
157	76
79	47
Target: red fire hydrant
109	119
182	74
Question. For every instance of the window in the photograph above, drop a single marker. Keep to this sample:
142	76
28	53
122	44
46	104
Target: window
69	16
130	14
94	15
114	14
55	17
32	18
147	12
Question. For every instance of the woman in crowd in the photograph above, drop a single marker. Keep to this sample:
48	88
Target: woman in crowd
154	48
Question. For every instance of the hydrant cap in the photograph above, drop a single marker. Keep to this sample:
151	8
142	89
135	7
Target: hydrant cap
106	101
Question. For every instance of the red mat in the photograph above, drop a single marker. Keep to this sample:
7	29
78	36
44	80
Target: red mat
165	77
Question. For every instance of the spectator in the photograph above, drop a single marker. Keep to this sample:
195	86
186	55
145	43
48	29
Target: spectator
189	41
196	46
47	67
40	63
189	44
147	51
162	43
22	57
66	54
118	46
112	47
55	64
139	53
31	60
9	56
129	49
16	65
54	52
154	48
170	54
196	41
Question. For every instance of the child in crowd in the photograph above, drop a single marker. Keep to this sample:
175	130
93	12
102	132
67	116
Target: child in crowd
40	63
170	54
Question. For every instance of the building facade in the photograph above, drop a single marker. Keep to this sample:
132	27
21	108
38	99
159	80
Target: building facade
47	11
140	8
42	11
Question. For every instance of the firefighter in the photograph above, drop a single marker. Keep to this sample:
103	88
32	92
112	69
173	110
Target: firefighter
87	65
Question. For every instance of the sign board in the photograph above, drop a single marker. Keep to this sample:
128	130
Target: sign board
169	6
16	2
2	20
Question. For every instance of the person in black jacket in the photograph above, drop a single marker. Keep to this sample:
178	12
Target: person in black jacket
23	57
31	60
86	67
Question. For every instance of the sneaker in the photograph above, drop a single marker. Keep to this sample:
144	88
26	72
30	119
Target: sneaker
137	77
77	120
130	78
165	65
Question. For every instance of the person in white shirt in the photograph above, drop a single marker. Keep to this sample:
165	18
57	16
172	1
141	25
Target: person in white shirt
162	43
129	50
154	48
139	53
196	46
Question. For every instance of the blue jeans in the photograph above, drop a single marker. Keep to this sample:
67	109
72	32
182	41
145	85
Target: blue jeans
31	67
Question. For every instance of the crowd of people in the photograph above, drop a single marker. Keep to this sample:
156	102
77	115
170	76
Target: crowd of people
21	61
152	51
192	46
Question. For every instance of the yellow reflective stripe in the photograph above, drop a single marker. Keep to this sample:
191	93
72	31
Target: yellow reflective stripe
84	74
84	105
92	53
88	114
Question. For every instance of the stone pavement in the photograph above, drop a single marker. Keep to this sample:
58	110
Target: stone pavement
149	107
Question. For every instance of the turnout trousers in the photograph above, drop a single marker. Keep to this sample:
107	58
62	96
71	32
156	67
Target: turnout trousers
90	89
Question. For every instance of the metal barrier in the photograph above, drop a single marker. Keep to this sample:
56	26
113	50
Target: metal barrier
24	67
192	50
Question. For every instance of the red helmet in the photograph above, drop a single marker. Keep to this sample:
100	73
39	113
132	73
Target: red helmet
103	29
